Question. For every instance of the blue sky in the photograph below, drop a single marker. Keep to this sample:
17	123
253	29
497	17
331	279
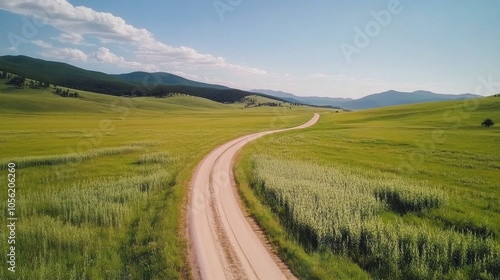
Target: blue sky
322	48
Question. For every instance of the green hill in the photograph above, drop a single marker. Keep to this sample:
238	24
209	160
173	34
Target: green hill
26	100
132	84
63	74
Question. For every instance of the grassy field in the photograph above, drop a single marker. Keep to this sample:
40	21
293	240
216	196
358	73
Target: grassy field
407	192
101	181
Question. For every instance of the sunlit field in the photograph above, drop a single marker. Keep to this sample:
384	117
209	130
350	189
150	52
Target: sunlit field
101	181
408	192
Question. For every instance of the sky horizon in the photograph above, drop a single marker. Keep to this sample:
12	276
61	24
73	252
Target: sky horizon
319	48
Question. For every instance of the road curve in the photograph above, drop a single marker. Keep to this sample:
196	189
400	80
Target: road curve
223	245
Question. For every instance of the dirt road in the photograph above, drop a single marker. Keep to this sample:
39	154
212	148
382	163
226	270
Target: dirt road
223	245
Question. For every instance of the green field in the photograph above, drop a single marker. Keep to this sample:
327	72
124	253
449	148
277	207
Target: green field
407	192
102	181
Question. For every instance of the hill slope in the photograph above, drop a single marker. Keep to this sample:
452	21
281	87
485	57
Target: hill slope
63	74
132	84
29	101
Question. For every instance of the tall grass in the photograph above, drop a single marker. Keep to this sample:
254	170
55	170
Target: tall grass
338	209
101	203
155	157
62	232
30	161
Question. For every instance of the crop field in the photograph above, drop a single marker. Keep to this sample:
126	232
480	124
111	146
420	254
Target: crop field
407	192
101	181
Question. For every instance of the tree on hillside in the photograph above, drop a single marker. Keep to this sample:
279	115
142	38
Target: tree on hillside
488	123
17	81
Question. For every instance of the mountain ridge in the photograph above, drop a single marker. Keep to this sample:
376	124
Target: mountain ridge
376	100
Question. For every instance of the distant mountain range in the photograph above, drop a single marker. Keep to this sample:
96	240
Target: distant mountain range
377	100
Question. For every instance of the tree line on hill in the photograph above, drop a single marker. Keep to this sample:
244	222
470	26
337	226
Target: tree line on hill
123	89
20	81
251	102
16	81
66	93
218	95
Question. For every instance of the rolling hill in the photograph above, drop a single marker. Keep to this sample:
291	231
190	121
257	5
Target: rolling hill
377	100
63	74
131	84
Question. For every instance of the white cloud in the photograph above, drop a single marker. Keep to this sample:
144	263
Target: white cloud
104	55
68	53
70	37
241	70
320	76
41	44
78	19
77	22
337	77
182	56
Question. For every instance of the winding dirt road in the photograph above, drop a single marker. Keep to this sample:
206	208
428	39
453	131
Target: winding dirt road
223	244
